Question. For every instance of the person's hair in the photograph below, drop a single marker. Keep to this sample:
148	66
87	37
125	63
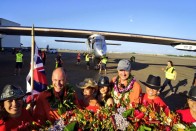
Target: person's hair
4	115
108	94
171	62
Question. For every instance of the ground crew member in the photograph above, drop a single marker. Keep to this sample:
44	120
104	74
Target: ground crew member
170	74
87	59
19	62
59	61
102	64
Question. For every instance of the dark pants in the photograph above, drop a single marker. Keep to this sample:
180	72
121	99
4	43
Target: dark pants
194	80
167	82
103	66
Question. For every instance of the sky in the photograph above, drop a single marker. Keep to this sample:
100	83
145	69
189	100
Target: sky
167	18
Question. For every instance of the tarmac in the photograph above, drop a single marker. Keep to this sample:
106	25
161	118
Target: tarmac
141	68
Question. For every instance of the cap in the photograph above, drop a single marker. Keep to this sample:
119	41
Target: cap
103	81
11	92
153	82
124	65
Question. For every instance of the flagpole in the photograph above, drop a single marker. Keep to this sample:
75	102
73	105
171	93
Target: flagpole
32	55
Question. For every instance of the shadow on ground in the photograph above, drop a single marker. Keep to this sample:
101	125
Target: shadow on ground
135	65
177	100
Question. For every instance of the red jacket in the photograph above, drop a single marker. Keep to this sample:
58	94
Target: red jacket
21	123
47	105
158	101
186	116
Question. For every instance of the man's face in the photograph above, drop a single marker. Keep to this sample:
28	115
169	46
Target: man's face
88	92
123	74
58	80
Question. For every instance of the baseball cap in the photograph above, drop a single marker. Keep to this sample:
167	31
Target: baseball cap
124	65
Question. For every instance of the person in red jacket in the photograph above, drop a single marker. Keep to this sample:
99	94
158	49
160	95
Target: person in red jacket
153	84
51	104
13	116
78	58
189	115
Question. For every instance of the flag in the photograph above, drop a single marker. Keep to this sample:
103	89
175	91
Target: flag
37	72
39	78
39	75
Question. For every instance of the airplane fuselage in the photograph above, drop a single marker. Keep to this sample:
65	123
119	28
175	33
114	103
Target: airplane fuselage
185	47
97	45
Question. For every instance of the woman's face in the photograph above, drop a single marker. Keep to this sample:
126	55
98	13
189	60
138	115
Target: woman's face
192	105
152	93
169	64
13	107
103	89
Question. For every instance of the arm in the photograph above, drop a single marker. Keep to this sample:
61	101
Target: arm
39	112
110	102
175	75
135	93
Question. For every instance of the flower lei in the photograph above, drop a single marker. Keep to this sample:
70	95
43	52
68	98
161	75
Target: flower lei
67	103
130	81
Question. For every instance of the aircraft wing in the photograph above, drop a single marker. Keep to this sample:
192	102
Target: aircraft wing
76	33
70	41
76	41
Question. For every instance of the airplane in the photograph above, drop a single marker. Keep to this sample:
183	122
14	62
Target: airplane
96	45
96	40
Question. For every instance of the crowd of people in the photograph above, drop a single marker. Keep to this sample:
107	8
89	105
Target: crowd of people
122	90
